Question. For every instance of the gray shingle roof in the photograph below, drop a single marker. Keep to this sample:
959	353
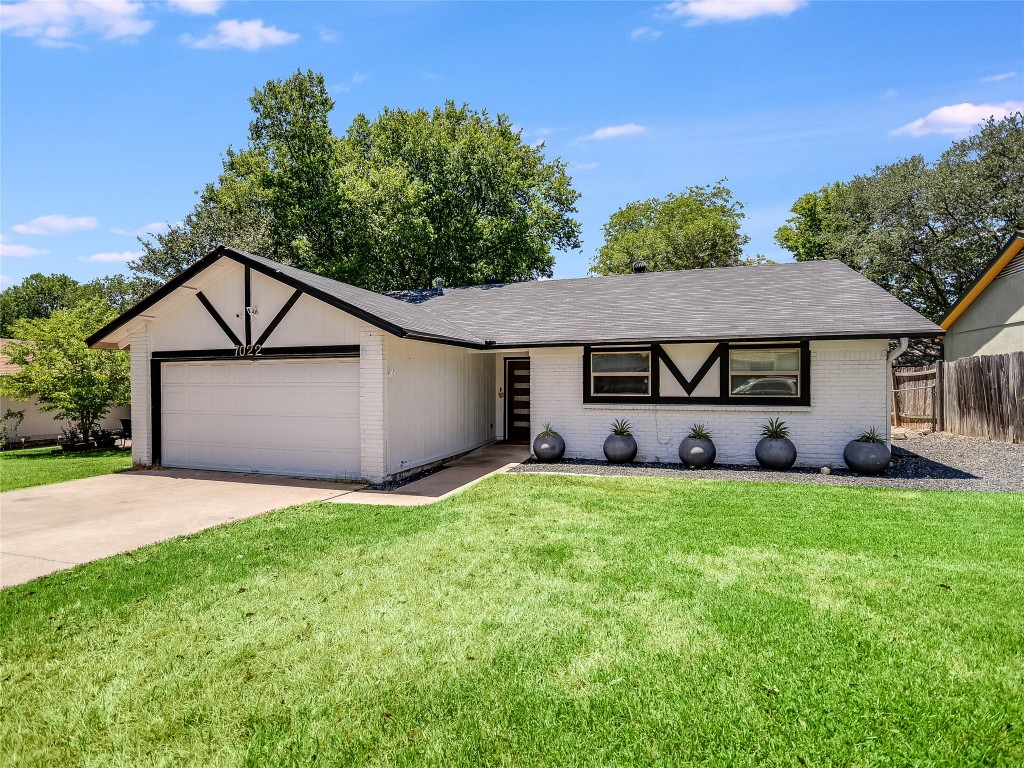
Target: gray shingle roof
812	299
820	299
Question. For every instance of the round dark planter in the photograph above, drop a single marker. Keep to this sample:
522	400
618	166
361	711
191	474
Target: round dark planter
694	452
772	453
620	449
867	458
549	447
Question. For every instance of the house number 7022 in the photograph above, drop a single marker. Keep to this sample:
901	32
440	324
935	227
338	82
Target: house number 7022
248	350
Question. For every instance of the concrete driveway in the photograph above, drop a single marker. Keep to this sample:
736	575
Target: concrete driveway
53	527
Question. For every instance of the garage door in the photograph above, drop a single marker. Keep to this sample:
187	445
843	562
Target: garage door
287	417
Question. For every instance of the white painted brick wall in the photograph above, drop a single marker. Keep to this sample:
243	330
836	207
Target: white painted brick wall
849	393
372	398
142	411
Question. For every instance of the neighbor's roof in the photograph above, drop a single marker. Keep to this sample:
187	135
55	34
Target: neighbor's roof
1013	248
6	366
823	299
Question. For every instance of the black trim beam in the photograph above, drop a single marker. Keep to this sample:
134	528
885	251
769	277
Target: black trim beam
247	304
220	320
341	350
690	385
156	431
279	317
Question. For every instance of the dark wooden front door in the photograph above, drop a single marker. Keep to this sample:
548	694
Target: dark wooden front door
517	401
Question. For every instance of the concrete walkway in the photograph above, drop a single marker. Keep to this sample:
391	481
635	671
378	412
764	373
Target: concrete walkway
52	528
457	475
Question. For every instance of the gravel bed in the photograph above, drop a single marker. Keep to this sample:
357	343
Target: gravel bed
932	462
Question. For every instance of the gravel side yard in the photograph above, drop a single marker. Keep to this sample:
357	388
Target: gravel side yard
933	462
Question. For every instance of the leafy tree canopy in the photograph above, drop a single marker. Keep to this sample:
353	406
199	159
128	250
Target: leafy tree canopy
39	295
698	228
74	382
393	203
923	231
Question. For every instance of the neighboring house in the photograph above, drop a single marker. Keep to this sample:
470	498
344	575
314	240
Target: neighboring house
37	426
989	318
241	363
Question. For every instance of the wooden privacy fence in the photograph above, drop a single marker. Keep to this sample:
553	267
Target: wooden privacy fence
916	401
977	396
982	396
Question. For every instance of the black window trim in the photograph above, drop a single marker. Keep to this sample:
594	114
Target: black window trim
720	354
652	362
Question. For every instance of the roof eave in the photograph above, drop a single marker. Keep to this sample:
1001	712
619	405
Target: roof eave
1010	248
853	336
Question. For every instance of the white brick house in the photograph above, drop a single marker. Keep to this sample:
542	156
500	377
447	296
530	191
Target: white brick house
243	364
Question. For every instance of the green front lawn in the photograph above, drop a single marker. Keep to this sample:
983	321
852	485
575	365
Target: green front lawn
538	620
42	466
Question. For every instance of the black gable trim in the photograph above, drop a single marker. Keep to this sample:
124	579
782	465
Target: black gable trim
240	258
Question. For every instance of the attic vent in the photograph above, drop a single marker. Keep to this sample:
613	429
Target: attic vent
639	267
491	280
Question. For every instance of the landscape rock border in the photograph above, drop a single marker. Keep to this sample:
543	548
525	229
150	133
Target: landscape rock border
937	461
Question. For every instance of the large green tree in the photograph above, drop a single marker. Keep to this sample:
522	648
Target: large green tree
75	383
36	296
697	228
394	203
39	296
923	231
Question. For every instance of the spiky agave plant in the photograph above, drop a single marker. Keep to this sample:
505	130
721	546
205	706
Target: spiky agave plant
622	428
775	429
699	432
870	436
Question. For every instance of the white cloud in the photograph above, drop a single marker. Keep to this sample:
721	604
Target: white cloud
247	35
55	224
122	256
326	34
644	33
204	7
584	166
703	11
957	119
890	93
153	228
357	79
999	77
53	23
614	131
9	250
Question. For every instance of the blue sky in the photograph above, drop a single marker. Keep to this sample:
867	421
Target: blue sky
113	114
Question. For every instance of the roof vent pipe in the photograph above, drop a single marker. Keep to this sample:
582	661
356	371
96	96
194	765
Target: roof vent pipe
439	285
639	267
900	349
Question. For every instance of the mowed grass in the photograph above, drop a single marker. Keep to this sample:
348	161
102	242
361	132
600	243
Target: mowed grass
537	620
42	466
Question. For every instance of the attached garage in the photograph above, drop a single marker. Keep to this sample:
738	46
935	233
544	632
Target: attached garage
277	416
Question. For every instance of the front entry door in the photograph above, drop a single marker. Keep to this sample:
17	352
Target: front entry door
517	401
